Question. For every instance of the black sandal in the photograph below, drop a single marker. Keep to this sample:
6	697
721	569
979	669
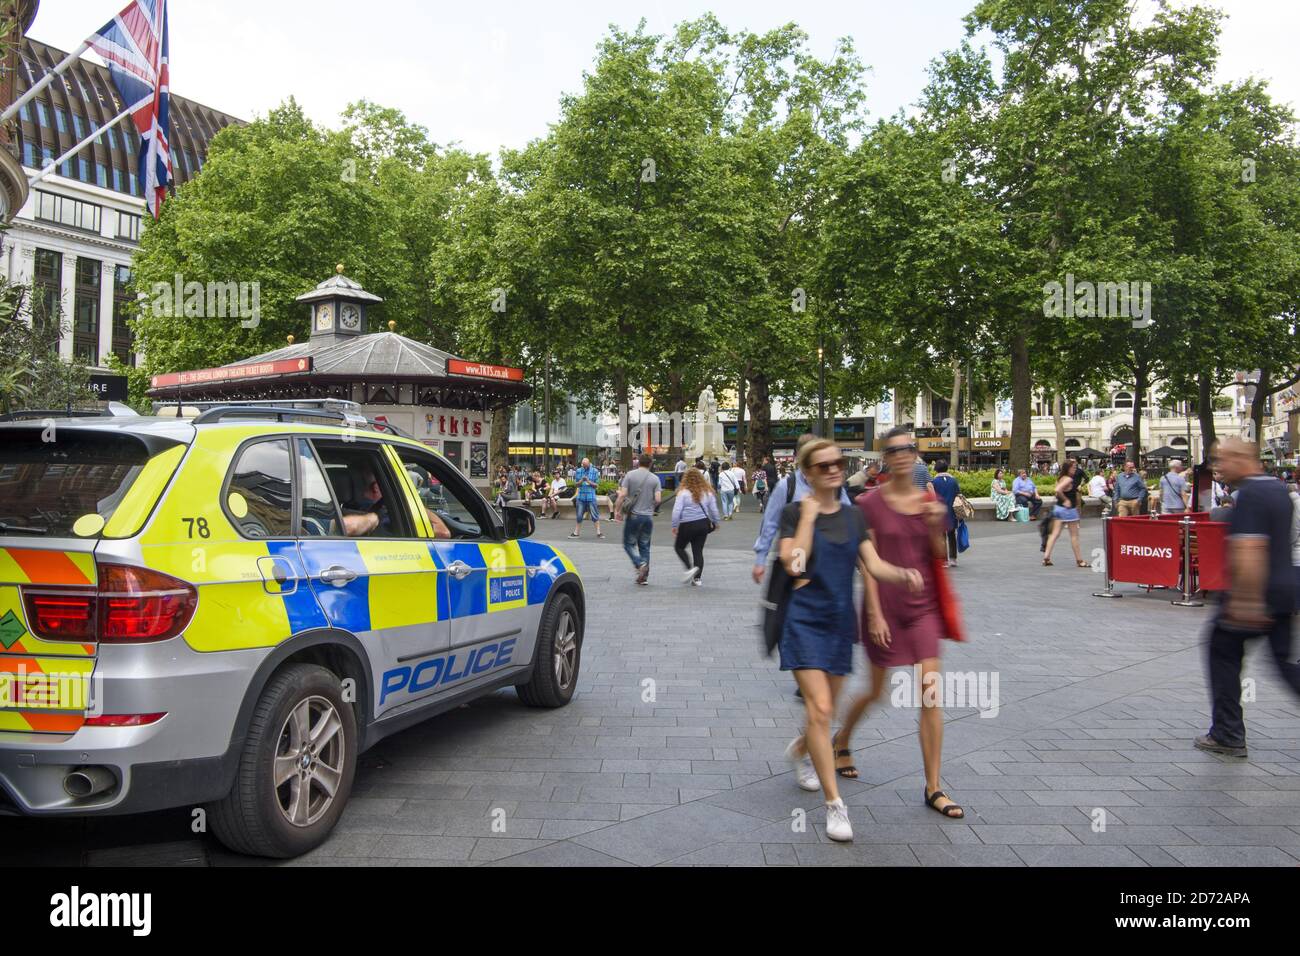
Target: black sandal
850	772
946	811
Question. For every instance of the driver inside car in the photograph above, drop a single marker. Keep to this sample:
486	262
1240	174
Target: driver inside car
369	513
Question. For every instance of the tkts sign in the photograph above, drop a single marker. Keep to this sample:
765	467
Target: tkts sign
458	426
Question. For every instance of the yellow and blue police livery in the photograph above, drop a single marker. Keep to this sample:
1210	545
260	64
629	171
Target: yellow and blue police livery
227	611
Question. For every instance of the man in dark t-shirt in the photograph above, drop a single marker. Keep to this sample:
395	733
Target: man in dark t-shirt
1261	595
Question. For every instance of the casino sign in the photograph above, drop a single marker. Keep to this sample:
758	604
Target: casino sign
445	401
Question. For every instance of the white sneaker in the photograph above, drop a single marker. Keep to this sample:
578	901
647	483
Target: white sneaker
837	822
804	773
697	583
689	576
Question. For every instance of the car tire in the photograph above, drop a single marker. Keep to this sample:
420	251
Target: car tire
256	817
557	656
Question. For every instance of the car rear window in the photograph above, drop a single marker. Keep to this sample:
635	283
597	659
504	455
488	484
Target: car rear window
57	488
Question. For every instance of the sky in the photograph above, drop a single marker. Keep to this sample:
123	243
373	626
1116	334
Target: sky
488	75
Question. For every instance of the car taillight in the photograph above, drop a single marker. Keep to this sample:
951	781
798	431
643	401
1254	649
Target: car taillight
131	605
62	615
124	720
137	604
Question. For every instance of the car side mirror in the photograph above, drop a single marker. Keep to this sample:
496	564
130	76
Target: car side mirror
519	521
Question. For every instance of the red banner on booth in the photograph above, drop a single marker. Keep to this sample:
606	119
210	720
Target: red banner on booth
227	373
480	370
1142	551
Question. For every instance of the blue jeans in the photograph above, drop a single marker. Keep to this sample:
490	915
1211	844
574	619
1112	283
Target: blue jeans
587	507
728	502
636	538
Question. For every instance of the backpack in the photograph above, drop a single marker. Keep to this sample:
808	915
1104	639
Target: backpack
776	597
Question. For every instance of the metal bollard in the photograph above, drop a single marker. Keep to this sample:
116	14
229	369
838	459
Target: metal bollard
1105	543
1187	568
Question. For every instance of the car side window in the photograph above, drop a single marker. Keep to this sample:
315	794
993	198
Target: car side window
260	494
320	515
371	503
456	505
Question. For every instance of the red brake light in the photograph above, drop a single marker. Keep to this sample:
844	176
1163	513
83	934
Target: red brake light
124	720
137	604
62	615
131	605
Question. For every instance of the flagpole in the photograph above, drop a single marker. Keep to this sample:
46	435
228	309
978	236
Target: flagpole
45	81
80	146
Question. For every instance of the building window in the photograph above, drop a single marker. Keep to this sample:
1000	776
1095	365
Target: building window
25	113
1123	400
101	176
135	189
65	168
112	139
128	226
60	119
78	126
47	156
117	179
85	315
83	170
47	283
67	212
122	338
29	155
42	114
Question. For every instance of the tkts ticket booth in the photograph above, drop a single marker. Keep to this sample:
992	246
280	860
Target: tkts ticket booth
444	401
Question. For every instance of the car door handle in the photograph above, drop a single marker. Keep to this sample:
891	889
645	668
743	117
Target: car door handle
459	570
338	575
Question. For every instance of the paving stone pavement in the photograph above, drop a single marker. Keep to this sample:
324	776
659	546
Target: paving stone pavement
671	751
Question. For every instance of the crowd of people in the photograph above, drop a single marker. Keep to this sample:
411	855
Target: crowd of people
897	524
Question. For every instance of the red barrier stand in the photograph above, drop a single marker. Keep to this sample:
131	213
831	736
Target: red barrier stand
1186	551
1141	551
1210	555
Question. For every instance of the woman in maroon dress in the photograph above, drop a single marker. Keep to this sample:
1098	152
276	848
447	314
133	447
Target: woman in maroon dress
902	628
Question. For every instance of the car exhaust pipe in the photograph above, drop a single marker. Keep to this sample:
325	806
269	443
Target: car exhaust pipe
88	781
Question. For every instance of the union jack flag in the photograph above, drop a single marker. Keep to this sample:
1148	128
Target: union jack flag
134	44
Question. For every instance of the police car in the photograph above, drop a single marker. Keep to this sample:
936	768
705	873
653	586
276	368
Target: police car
226	611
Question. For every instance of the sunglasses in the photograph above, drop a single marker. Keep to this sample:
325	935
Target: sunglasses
824	467
890	449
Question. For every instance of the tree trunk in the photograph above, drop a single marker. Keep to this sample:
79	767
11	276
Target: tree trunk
1059	425
955	400
1021	386
499	444
1205	413
760	417
1140	384
1262	391
620	401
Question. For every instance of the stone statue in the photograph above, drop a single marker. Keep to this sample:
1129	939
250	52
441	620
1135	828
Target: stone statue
706	442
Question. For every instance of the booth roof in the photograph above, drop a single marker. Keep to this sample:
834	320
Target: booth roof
363	356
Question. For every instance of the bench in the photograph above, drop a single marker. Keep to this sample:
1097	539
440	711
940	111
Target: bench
602	502
985	510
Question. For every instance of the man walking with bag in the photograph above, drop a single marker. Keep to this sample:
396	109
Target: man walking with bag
641	487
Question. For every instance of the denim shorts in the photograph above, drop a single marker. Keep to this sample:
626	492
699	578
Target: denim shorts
1065	514
586	507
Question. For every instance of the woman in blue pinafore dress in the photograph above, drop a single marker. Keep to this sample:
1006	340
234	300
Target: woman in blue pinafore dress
822	542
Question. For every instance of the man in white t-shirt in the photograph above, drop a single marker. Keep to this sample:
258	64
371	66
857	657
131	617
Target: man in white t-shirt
556	488
740	476
1097	488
